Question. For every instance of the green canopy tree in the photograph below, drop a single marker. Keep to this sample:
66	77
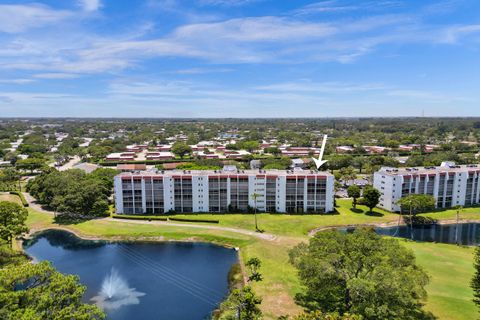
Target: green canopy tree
416	203
181	149
241	304
359	273
371	197
354	192
13	219
38	291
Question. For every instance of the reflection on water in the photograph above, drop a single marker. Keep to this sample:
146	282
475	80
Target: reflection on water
148	280
464	233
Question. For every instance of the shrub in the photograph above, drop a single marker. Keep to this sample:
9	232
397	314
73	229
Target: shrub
193	220
21	196
138	217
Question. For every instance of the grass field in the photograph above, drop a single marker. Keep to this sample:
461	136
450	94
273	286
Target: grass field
301	224
10	197
450	267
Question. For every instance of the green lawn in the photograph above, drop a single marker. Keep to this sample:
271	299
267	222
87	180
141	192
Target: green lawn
10	198
466	213
301	224
450	267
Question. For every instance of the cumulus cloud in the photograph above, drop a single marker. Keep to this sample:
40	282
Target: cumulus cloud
19	18
90	5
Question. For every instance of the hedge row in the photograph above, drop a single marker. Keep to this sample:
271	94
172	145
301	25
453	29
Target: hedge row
193	220
159	218
22	198
138	217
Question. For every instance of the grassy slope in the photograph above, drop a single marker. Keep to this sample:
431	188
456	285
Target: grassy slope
10	197
449	266
466	213
300	225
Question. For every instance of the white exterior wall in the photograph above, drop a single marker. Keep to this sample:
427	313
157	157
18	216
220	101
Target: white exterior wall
330	194
385	184
281	194
200	192
168	200
390	185
117	186
460	189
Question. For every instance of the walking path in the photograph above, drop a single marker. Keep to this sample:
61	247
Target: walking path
265	236
32	203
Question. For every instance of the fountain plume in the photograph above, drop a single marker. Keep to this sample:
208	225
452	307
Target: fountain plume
115	292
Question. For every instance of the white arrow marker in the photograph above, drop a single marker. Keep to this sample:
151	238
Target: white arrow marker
319	162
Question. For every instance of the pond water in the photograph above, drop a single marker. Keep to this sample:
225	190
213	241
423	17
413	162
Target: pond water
464	233
141	280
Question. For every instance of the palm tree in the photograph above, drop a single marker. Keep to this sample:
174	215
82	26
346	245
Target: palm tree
254	197
458	208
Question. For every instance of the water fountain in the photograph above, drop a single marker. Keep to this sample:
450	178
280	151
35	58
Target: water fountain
115	292
114	286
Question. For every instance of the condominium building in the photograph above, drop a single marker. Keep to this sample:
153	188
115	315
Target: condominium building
227	190
449	184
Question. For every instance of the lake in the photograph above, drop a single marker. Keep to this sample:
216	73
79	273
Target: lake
467	233
141	280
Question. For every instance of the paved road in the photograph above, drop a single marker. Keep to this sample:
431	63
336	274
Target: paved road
68	165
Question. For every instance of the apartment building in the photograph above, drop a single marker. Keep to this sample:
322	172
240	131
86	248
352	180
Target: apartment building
290	191
449	184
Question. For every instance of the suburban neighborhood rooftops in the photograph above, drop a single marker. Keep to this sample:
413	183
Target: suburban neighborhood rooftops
444	168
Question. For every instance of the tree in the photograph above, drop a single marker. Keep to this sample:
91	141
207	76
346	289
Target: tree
371	197
359	273
73	191
241	304
254	264
181	149
30	164
273	150
254	197
13	219
250	146
347	174
416	203
458	209
475	283
38	291
354	192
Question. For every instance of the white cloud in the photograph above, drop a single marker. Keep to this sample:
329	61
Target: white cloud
16	81
226	2
19	18
90	5
56	75
202	70
453	34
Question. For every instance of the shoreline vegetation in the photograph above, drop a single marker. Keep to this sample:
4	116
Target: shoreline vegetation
447	298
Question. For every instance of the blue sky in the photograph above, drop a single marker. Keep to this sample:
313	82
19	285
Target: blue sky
239	58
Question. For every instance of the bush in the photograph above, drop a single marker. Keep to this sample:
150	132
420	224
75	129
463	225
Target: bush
138	217
193	220
21	196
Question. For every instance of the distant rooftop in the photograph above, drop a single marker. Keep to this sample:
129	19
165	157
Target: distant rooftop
444	167
229	171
